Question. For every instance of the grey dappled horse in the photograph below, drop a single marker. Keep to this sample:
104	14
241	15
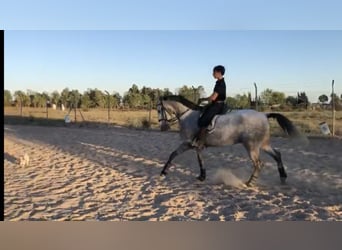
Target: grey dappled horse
249	127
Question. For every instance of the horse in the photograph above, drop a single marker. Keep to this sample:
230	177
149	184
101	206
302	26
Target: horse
248	127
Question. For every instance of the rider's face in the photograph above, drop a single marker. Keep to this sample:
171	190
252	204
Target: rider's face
217	75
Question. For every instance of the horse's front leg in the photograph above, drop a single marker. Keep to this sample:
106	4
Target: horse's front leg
181	149
202	175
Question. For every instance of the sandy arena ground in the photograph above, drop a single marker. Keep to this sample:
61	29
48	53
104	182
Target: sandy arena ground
113	174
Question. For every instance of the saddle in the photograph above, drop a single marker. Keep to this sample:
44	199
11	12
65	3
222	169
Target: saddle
211	126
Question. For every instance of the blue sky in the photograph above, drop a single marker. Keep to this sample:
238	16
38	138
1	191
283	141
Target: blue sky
288	61
288	45
175	14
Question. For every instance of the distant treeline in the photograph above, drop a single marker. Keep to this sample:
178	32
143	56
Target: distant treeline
146	98
94	98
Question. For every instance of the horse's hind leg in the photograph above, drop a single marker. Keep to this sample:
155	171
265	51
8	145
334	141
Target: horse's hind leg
181	149
254	155
202	175
275	154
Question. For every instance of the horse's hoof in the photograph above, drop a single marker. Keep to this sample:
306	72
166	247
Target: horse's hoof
163	173
249	184
283	180
201	178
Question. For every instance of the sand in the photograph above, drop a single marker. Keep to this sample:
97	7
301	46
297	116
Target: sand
113	174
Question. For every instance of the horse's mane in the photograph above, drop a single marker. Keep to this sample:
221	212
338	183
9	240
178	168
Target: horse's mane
184	101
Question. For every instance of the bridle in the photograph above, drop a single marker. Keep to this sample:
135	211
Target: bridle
163	111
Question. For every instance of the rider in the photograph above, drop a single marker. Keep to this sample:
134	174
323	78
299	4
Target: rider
216	106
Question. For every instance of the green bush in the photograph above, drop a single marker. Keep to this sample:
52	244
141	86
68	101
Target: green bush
139	123
145	123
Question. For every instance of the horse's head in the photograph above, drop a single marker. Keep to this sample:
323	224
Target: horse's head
165	111
175	107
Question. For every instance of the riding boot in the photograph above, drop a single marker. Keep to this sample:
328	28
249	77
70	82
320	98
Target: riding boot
200	139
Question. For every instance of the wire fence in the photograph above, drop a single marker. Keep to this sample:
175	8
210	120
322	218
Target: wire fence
311	122
145	118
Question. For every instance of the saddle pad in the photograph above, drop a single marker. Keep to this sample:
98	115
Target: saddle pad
211	127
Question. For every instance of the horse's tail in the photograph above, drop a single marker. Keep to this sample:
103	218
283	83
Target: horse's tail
285	124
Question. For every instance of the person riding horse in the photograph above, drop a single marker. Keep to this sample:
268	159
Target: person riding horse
216	106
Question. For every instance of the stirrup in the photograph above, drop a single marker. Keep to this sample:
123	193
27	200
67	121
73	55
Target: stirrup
197	144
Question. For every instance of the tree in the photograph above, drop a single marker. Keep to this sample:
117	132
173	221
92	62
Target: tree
116	99
303	100
64	97
134	89
55	96
292	101
7	98
158	93
31	95
22	98
147	91
46	98
40	100
278	98
74	99
148	96
323	98
97	98
200	92
266	96
192	94
242	101
270	97
85	100
166	91
335	98
36	99
232	102
133	97
186	92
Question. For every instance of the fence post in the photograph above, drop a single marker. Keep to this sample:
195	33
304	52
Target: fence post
21	106
333	108
47	110
256	97
149	117
75	107
108	106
